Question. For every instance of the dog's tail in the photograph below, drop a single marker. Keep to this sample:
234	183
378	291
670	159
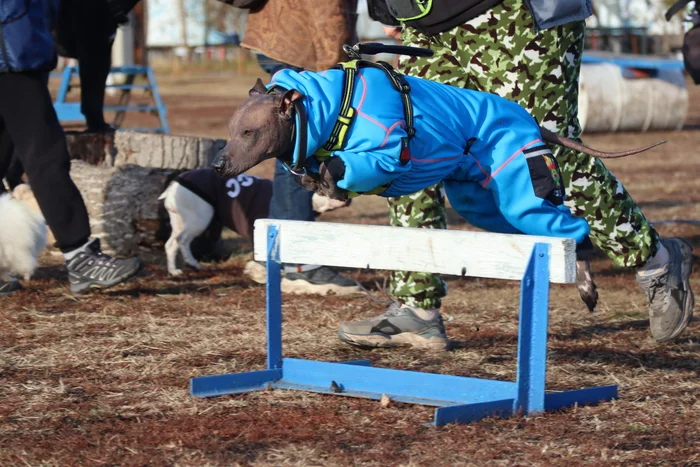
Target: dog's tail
551	137
166	192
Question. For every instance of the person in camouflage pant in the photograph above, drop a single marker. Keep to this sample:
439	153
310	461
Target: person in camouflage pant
500	52
425	209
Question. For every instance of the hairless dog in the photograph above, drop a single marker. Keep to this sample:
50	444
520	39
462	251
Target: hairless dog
492	156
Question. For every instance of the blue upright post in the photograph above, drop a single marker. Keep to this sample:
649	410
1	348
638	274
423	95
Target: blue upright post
165	128
65	84
532	333
274	300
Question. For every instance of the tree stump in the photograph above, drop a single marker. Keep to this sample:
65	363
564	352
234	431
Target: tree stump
93	148
144	149
165	151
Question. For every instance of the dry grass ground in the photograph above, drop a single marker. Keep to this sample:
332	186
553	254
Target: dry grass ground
102	379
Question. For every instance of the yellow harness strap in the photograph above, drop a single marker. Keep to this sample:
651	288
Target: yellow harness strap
339	134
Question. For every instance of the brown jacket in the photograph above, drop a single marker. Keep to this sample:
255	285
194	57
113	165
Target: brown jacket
307	34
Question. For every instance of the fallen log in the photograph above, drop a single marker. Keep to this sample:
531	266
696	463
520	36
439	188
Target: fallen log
123	205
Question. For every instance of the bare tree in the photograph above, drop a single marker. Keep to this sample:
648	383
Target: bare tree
183	26
222	17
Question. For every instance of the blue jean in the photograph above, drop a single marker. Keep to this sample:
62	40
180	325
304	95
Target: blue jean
272	66
289	200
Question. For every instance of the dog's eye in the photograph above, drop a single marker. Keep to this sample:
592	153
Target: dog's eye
247	133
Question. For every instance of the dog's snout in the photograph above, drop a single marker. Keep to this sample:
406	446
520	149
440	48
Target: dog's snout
219	164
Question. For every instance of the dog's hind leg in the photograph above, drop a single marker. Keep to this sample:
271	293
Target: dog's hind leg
176	224
185	241
172	245
194	214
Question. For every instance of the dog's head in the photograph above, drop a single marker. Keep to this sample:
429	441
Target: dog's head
261	128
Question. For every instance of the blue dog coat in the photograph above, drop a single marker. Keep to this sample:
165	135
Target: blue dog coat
498	173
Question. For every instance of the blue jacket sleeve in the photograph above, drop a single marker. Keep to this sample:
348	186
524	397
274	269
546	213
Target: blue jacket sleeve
365	171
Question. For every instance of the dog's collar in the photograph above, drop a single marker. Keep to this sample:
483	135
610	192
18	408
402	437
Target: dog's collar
298	167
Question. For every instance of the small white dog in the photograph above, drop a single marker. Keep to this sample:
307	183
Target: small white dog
23	192
196	197
22	237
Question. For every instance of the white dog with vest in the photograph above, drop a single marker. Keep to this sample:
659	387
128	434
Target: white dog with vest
195	198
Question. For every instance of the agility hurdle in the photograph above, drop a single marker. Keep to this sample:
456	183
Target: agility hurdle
536	261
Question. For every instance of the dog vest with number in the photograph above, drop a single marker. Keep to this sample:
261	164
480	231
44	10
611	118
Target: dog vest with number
237	201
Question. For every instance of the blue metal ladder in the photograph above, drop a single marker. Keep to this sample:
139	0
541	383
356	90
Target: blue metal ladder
70	111
458	399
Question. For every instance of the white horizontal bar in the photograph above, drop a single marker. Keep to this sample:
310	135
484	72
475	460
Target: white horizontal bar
455	252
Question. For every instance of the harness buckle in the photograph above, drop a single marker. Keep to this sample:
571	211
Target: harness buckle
294	172
405	154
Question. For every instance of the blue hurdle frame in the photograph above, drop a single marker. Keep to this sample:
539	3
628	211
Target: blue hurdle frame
458	399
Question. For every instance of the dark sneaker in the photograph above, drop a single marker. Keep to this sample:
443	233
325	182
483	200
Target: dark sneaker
7	288
670	298
399	326
322	280
92	269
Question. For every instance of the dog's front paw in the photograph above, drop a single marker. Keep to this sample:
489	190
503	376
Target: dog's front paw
175	272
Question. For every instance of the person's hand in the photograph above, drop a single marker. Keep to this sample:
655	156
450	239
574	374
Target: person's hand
309	180
393	31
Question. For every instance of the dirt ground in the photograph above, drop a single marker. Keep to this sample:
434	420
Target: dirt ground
102	379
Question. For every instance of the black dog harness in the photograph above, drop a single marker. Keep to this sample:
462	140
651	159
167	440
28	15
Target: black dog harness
346	113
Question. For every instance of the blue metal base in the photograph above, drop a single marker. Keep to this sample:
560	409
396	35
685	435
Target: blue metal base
458	399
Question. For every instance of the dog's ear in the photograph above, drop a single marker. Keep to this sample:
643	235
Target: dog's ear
259	88
286	104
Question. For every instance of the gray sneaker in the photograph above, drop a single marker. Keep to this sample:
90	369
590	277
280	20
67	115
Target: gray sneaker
9	287
92	269
670	298
321	280
399	326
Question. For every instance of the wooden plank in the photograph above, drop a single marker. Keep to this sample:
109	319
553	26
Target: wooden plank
455	252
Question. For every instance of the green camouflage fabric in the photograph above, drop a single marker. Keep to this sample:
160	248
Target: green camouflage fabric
424	209
500	52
